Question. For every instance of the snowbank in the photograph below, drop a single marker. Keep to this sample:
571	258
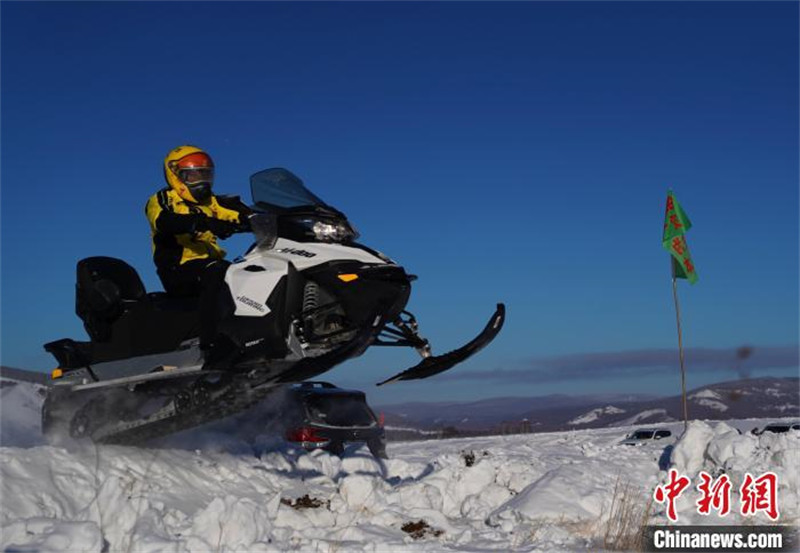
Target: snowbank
209	490
523	492
20	408
721	449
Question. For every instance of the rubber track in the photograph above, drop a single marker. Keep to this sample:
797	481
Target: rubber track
231	401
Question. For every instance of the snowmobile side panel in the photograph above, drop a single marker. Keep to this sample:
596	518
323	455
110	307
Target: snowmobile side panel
437	364
163	374
253	281
246	338
135	366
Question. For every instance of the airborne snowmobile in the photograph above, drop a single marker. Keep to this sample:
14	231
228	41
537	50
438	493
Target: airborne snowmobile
304	298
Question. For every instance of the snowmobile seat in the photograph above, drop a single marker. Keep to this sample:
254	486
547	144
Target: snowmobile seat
121	318
165	302
105	288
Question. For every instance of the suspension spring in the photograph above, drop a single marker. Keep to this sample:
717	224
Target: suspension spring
310	296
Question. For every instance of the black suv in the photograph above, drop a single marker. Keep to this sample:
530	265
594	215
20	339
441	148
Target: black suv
777	428
319	415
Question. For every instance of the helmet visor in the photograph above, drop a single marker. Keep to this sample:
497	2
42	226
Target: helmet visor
196	175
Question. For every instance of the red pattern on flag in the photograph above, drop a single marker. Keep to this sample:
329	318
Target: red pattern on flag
678	245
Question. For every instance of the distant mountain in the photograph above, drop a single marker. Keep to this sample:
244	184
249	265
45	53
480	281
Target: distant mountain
487	412
25	376
596	414
739	399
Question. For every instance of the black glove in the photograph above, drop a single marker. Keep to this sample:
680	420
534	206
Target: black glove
244	224
217	227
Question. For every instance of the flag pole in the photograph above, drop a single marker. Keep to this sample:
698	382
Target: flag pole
680	345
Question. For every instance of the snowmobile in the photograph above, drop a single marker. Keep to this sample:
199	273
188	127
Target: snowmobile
305	297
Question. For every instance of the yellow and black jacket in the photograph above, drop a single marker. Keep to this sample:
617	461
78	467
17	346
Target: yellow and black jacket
175	240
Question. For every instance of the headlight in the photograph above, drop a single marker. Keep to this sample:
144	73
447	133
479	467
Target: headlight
332	232
320	229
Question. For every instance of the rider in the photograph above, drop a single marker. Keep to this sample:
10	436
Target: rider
185	221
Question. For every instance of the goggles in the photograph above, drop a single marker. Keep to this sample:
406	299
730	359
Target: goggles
196	175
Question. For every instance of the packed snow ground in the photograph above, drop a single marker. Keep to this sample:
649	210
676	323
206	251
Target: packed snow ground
210	491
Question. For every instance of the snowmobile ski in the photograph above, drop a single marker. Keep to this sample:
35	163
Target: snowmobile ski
432	365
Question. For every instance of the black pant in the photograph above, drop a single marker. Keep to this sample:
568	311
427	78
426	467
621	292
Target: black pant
204	278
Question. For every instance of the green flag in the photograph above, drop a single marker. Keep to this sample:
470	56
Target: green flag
676	223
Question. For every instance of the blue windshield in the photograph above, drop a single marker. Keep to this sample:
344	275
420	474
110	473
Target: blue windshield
280	187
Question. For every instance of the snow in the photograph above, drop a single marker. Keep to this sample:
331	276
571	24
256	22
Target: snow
713	404
21	404
534	492
595	414
709	394
419	431
722	450
643	416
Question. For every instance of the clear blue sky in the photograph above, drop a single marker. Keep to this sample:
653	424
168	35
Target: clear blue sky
517	152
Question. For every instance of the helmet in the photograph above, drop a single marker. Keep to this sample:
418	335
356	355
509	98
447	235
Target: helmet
190	172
